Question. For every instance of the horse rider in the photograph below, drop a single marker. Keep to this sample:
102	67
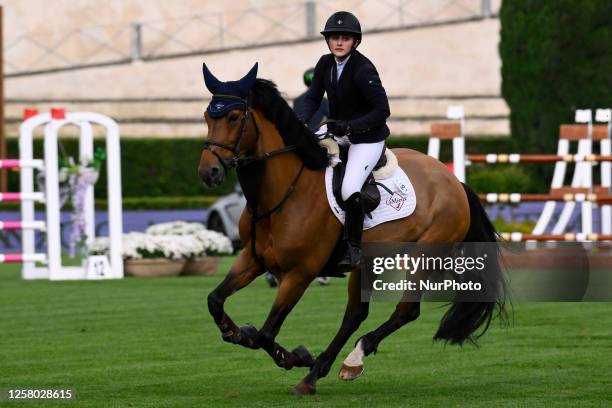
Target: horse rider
359	106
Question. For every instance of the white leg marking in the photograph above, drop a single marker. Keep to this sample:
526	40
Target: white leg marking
355	358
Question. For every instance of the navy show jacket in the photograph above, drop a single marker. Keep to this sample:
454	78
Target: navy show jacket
357	97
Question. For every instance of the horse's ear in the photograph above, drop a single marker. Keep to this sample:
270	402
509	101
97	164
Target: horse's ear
211	82
246	83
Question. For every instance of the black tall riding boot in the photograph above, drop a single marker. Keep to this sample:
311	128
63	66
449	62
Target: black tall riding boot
353	227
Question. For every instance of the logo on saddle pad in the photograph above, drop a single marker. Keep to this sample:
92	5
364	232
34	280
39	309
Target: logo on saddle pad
396	201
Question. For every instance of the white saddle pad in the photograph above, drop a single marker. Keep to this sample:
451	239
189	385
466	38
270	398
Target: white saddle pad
394	206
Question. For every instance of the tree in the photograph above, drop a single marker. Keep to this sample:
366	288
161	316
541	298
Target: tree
556	58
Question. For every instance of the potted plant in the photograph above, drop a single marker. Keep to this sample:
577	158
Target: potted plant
214	245
169	249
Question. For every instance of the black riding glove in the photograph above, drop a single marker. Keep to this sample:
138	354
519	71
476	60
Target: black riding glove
339	127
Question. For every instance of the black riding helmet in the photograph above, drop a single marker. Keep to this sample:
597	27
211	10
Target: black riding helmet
343	22
308	74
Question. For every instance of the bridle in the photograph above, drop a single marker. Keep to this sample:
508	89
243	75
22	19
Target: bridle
236	162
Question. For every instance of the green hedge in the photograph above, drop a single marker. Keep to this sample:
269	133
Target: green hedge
149	167
162	173
168	167
556	57
505	178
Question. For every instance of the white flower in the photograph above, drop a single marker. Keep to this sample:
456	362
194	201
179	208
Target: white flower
154	244
63	174
137	245
90	175
178	246
98	246
175	228
215	242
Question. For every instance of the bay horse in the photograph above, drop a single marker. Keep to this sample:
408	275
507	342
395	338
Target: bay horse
289	229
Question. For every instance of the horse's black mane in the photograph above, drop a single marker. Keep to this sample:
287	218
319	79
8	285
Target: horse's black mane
266	98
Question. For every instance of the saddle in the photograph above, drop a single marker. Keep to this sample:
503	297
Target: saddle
369	192
396	200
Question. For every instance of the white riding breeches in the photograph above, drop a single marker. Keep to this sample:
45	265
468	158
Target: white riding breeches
362	158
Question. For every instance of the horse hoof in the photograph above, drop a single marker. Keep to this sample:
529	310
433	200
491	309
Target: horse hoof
303	357
304	389
348	373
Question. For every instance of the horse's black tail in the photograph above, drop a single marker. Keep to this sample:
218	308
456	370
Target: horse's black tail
463	319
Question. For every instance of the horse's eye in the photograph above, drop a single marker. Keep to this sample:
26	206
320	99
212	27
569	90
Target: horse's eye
232	119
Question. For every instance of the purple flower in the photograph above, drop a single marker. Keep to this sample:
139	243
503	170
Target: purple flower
79	183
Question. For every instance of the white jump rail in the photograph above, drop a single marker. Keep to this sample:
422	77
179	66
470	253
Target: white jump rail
570	237
22	225
568	197
22	197
535	158
21	258
12	163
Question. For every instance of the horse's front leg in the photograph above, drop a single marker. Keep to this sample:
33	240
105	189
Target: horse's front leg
290	290
356	312
242	272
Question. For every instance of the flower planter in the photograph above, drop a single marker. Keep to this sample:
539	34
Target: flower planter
207	265
151	268
152	254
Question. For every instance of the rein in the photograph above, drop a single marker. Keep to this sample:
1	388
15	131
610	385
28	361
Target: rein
238	163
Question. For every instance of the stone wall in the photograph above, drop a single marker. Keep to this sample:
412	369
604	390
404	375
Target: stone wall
422	69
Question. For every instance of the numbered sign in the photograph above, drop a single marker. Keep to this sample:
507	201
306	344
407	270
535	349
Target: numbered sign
98	267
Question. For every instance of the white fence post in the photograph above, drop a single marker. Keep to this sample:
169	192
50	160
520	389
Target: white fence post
457	113
83	120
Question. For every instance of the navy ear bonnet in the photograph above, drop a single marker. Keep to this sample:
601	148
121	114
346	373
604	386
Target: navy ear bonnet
229	95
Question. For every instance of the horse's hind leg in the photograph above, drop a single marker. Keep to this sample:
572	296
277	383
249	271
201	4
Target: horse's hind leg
356	312
242	272
404	313
290	290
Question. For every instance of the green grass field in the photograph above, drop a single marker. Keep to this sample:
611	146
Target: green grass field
152	343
